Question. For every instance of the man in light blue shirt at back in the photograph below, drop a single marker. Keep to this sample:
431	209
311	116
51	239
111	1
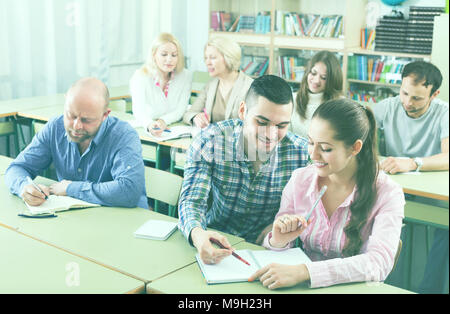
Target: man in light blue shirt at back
98	158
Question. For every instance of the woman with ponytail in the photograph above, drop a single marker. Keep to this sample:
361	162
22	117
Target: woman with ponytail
353	233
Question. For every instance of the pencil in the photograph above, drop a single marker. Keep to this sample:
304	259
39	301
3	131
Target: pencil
217	242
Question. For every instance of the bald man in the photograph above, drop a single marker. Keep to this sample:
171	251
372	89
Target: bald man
98	158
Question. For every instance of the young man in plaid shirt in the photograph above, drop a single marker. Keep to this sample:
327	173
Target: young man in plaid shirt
236	170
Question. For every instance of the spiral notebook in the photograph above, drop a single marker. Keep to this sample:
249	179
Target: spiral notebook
230	269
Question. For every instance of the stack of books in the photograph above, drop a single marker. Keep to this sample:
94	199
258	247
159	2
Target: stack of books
308	25
291	67
220	21
254	65
413	35
371	96
367	38
420	30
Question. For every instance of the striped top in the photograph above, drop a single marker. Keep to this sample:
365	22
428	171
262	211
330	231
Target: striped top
324	239
221	189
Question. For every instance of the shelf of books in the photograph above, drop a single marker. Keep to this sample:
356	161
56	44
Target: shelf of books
279	36
291	29
290	64
255	61
370	76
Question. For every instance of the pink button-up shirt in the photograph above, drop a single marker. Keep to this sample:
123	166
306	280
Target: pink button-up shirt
324	239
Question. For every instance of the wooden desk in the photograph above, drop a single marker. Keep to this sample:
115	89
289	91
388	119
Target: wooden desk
4	163
190	280
105	235
119	92
30	266
431	184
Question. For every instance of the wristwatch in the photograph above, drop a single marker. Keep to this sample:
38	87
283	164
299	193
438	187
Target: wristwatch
419	163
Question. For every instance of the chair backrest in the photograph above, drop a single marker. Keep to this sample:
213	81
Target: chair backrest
119	105
162	185
37	126
397	255
7	128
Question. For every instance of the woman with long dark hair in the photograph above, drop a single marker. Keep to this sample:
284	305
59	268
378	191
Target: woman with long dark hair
323	81
353	233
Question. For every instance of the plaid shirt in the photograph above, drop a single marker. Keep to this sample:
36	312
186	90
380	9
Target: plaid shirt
222	191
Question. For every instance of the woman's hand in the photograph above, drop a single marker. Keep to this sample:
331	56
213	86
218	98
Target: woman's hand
287	228
201	120
275	276
157	127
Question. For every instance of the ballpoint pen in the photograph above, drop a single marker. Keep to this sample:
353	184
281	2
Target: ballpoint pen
321	193
44	215
30	181
165	130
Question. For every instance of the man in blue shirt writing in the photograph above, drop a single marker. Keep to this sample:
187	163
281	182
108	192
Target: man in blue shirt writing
98	158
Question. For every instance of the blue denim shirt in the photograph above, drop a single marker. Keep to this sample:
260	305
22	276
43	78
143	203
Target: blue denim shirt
110	172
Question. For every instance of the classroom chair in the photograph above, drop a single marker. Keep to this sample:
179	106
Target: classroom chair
163	186
8	129
397	255
36	127
119	105
177	160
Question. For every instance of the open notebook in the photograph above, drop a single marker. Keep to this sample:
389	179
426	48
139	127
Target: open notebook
178	131
156	229
56	203
231	269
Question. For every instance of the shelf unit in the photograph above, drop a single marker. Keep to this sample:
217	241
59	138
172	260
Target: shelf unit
273	44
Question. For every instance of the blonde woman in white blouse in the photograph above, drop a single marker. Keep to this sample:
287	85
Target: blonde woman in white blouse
161	88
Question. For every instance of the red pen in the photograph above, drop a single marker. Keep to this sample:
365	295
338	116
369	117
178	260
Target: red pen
217	242
206	114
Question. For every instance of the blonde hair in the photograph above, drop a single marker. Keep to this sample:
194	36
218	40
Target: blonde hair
150	66
229	49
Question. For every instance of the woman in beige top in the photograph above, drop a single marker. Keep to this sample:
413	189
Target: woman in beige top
222	95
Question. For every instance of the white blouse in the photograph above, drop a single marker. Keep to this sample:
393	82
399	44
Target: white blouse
299	125
150	103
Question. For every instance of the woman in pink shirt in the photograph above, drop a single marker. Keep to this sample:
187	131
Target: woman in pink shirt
353	233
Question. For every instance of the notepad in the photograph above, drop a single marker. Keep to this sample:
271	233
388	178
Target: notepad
56	203
179	131
230	269
156	229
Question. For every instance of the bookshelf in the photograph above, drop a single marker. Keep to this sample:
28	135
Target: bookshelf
286	45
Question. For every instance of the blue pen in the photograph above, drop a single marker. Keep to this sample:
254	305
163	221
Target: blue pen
321	193
166	130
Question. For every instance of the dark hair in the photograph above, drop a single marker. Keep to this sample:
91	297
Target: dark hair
333	85
350	122
425	72
271	87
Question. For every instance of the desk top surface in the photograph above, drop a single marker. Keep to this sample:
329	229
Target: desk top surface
106	236
4	163
30	266
432	184
190	280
